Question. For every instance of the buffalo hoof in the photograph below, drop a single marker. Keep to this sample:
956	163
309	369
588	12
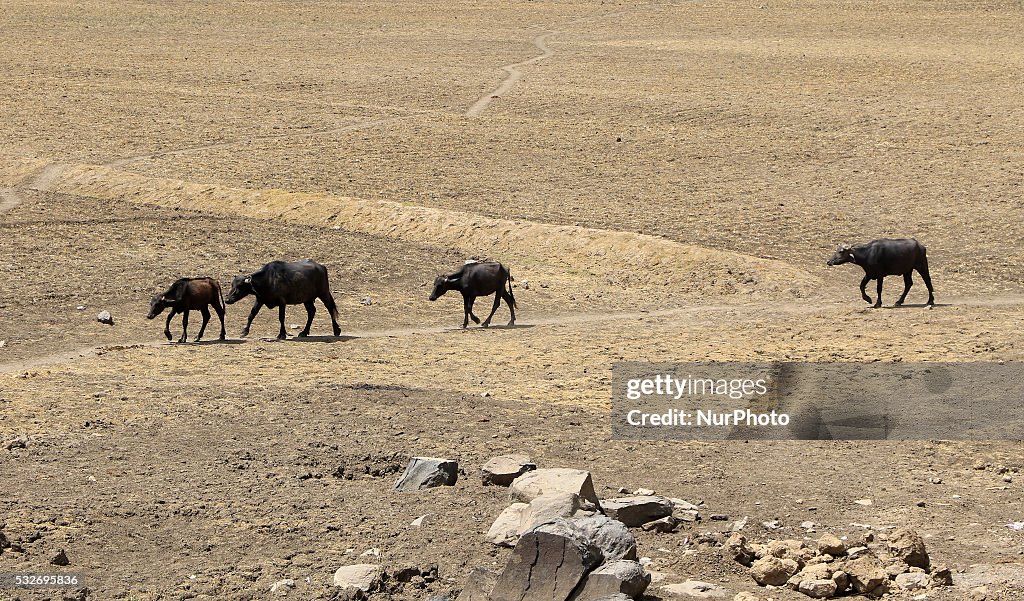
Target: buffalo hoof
898	304
182	340
168	334
222	337
337	331
282	336
485	324
877	305
303	334
244	334
511	323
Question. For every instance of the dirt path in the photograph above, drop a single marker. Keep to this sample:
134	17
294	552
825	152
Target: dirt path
515	73
9	199
748	311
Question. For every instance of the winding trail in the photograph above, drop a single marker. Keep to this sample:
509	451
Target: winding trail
734	312
41	181
515	73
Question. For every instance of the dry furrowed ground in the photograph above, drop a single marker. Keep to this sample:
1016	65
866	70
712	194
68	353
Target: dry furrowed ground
665	180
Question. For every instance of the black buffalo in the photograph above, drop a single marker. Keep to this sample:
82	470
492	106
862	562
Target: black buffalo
478	279
279	284
880	258
189	294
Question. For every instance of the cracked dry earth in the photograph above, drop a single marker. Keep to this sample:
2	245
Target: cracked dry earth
665	180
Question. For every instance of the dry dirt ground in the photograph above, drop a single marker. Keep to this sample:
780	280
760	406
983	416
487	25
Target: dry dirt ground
665	180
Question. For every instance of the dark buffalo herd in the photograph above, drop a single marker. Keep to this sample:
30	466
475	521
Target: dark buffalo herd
279	284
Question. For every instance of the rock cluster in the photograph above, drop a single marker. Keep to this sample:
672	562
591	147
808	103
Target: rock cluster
834	566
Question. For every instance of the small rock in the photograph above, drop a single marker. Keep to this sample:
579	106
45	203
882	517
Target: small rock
772	525
546	508
718	517
282	587
619	576
912	581
611	536
941	576
773	571
20	442
105	317
3	343
831	544
665	525
866	573
535	483
736	549
697	590
366	301
864	502
80	308
428	472
643	492
980	593
364	577
423	520
501	471
908	546
636	511
59	558
683	505
739	524
935	480
818	589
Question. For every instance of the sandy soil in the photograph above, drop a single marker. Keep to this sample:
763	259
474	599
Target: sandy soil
665	180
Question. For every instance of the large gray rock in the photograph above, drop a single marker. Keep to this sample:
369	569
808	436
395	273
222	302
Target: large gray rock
365	577
535	483
611	536
502	470
547	564
520	517
428	472
637	511
479	585
619	576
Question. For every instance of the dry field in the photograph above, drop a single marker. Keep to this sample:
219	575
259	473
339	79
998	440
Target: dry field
665	180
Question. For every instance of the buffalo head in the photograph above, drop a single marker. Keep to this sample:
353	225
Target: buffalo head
241	287
843	254
442	284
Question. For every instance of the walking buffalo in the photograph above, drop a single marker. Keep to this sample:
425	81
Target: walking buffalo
478	279
883	257
279	284
189	294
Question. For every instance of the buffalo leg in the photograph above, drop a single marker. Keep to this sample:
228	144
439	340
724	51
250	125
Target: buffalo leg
878	301
332	308
511	302
184	327
167	326
205	312
280	316
252	315
923	270
497	303
310	312
219	308
908	282
863	287
467	302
